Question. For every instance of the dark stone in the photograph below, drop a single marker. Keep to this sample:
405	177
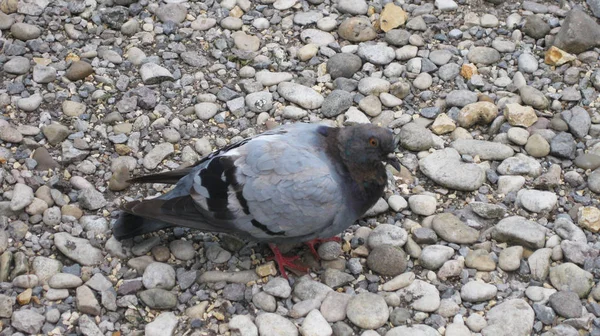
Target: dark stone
579	32
566	304
544	314
563	146
337	102
536	27
387	260
114	17
343	65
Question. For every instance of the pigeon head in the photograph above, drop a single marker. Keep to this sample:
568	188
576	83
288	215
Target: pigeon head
367	144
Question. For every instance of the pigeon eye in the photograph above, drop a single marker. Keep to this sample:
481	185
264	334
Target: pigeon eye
373	142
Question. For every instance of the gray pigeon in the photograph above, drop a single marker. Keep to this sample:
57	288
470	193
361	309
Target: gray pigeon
295	183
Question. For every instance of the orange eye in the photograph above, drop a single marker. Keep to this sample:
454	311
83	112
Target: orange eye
373	142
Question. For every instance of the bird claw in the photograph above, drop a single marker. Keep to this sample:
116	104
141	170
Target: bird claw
311	244
283	262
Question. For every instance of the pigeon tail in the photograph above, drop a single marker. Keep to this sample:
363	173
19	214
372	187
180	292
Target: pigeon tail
129	225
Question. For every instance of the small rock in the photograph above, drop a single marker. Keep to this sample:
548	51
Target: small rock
367	310
164	324
518	115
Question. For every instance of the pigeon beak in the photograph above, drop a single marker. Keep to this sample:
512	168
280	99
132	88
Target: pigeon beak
392	159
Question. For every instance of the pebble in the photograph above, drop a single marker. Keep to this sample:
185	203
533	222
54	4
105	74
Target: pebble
537	146
357	29
446	5
153	73
79	70
157	154
159	275
270	324
387	260
337	102
520	231
462	98
486	150
446	168
570	277
527	63
475	291
512	317
22	197
589	218
415	329
424	296
424	205
415	137
520	165
483	55
315	324
244	325
510	258
578	120
157	298
86	301
537	201
367	310
78	249
299	94
64	281
30	103
17	65
27	321
518	115
533	97
278	287
451	229
376	53
566	304
434	256
334	306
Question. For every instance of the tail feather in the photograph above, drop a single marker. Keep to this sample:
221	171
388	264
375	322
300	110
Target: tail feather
141	217
171	177
129	225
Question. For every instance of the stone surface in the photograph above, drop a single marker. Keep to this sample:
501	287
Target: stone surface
367	310
578	33
446	168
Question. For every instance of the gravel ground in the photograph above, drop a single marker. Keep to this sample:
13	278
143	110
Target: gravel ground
491	227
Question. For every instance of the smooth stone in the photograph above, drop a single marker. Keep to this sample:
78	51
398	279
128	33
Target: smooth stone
511	317
537	201
17	65
367	310
78	249
486	150
570	277
520	231
451	229
520	164
299	94
510	258
475	291
270	324
446	168
483	55
424	297
357	29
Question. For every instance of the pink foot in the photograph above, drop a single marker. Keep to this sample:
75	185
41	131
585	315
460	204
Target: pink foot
311	244
283	262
